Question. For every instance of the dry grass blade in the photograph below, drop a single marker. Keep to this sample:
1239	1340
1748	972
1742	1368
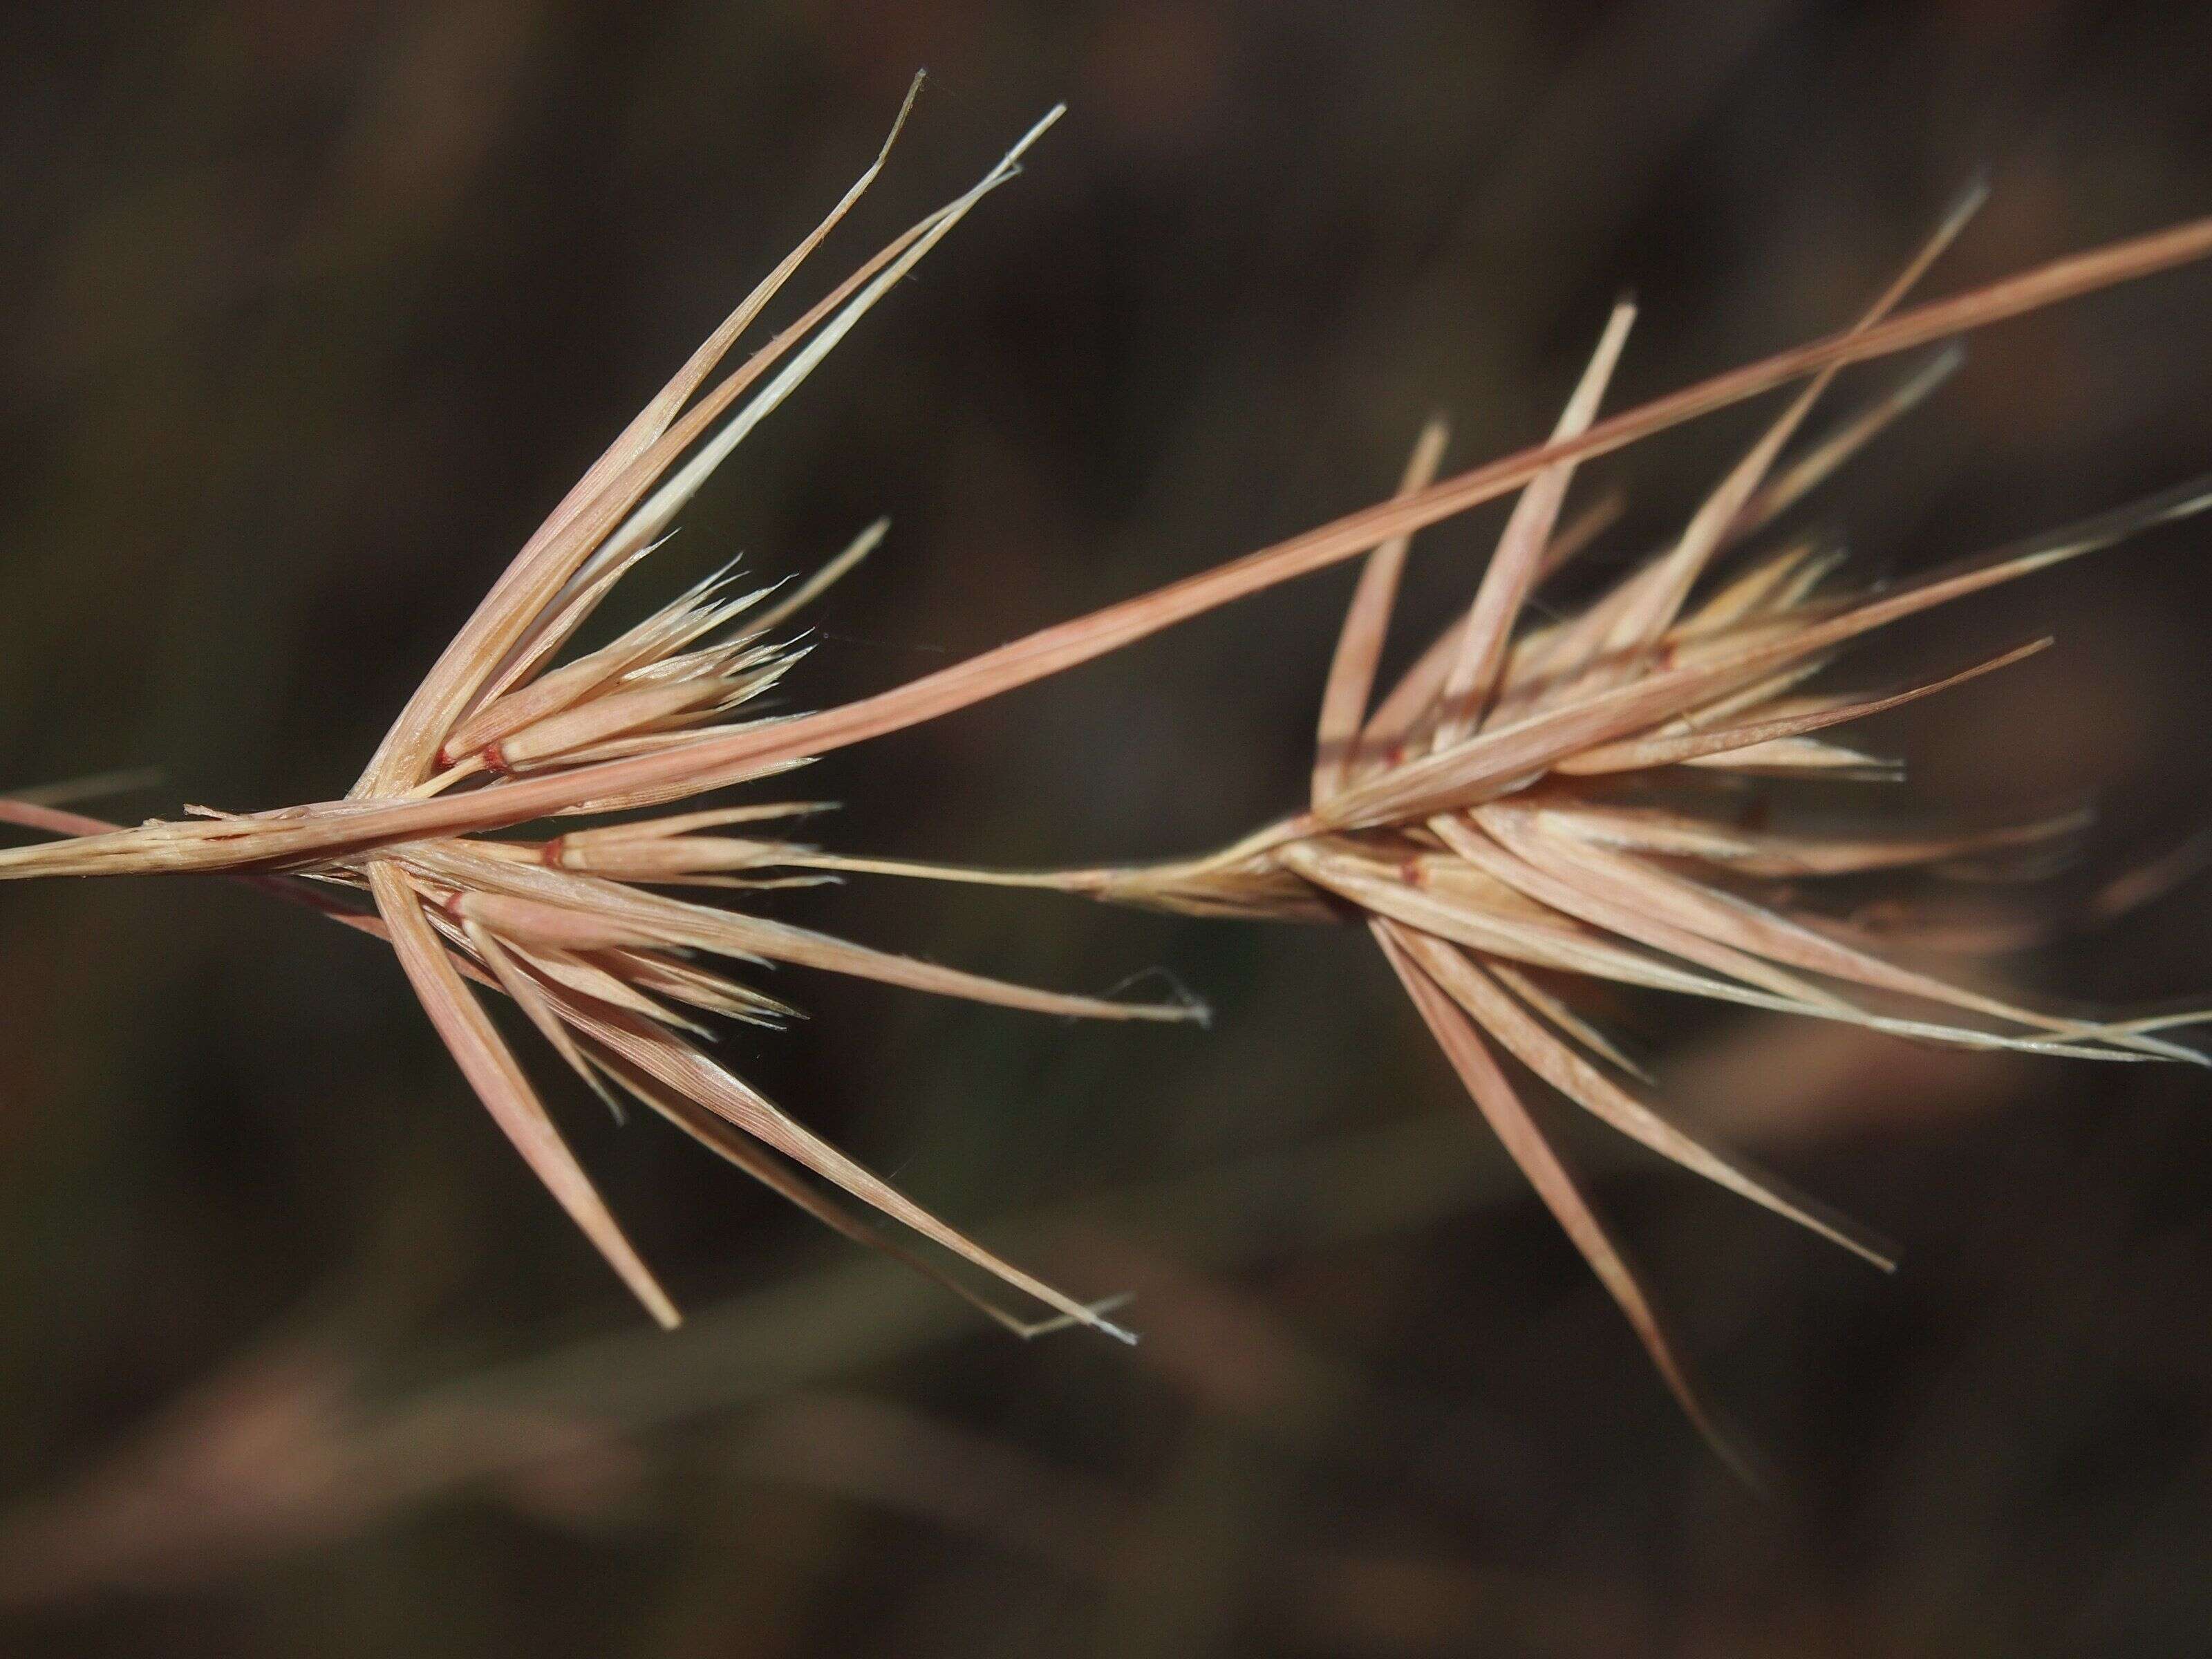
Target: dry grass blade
1493	760
1434	899
1565	1020
826	577
31	812
1508	1116
1819	712
1791	482
1419	690
570	911
683	1069
514	606
1655	599
1486	1003
749	1155
1565	888
1636	889
492	1072
1786	854
1366	622
1480	655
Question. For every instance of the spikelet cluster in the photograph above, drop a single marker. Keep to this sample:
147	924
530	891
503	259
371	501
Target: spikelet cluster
1592	797
1529	806
617	974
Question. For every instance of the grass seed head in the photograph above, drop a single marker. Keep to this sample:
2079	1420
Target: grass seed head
1529	806
1535	805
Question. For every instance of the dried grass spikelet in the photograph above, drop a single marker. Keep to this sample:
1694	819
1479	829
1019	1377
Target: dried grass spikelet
572	928
1459	818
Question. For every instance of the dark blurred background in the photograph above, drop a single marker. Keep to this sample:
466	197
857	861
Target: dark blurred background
312	310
